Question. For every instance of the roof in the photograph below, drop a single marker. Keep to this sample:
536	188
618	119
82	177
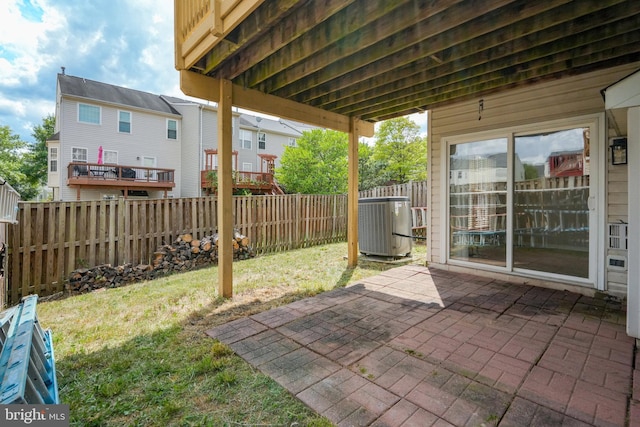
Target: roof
282	126
90	89
376	60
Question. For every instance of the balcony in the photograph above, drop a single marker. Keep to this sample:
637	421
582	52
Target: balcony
255	182
95	175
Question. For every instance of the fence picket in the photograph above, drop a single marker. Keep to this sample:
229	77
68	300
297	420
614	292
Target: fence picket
26	265
71	258
38	261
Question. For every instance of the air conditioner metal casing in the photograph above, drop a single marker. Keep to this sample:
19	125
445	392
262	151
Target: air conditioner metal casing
384	226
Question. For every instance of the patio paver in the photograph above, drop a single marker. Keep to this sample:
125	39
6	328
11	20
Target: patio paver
415	346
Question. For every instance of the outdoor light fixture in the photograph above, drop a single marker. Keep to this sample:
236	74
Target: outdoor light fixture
618	151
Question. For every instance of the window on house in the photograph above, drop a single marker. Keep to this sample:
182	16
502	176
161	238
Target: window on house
245	139
79	155
172	129
292	142
110	157
53	159
89	114
247	167
124	122
262	140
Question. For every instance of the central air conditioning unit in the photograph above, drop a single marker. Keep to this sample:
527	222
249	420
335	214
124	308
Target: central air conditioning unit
384	226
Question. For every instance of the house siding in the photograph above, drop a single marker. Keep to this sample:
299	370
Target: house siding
189	149
197	131
566	98
148	138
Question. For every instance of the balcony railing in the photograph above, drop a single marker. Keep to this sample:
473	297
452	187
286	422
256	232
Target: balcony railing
8	202
255	181
120	176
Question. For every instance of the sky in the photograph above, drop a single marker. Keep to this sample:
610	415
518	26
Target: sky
120	42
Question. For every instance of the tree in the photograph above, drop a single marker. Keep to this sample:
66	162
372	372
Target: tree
530	171
317	165
371	172
36	159
402	150
11	162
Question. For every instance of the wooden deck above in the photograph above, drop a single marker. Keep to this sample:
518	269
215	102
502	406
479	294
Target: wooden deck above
378	59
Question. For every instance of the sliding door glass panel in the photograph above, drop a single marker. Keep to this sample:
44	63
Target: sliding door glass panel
478	201
551	193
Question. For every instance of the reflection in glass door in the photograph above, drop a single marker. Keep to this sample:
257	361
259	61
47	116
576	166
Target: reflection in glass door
551	213
478	173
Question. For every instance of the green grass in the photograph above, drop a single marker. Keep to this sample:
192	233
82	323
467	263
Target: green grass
138	355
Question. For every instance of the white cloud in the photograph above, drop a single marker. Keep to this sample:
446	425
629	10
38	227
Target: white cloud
422	120
21	40
16	107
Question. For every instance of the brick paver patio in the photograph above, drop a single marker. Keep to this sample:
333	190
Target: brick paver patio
419	347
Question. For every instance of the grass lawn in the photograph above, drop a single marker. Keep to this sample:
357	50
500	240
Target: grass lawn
138	355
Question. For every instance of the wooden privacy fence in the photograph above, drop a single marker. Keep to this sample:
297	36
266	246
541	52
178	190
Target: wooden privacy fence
416	191
52	239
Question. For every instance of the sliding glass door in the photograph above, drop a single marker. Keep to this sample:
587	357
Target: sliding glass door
478	201
551	212
521	202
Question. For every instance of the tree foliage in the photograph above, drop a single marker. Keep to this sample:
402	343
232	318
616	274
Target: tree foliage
371	171
24	165
317	165
11	163
399	146
37	158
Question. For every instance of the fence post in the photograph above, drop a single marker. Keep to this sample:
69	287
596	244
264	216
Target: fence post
4	252
298	220
122	233
409	190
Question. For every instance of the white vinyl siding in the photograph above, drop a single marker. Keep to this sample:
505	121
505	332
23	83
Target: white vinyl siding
150	132
560	99
89	114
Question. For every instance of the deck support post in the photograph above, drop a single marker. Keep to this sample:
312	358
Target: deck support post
352	194
225	191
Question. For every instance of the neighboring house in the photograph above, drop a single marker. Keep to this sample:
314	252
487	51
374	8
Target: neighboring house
474	169
112	142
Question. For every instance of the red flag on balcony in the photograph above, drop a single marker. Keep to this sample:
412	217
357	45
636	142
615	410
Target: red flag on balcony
100	155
